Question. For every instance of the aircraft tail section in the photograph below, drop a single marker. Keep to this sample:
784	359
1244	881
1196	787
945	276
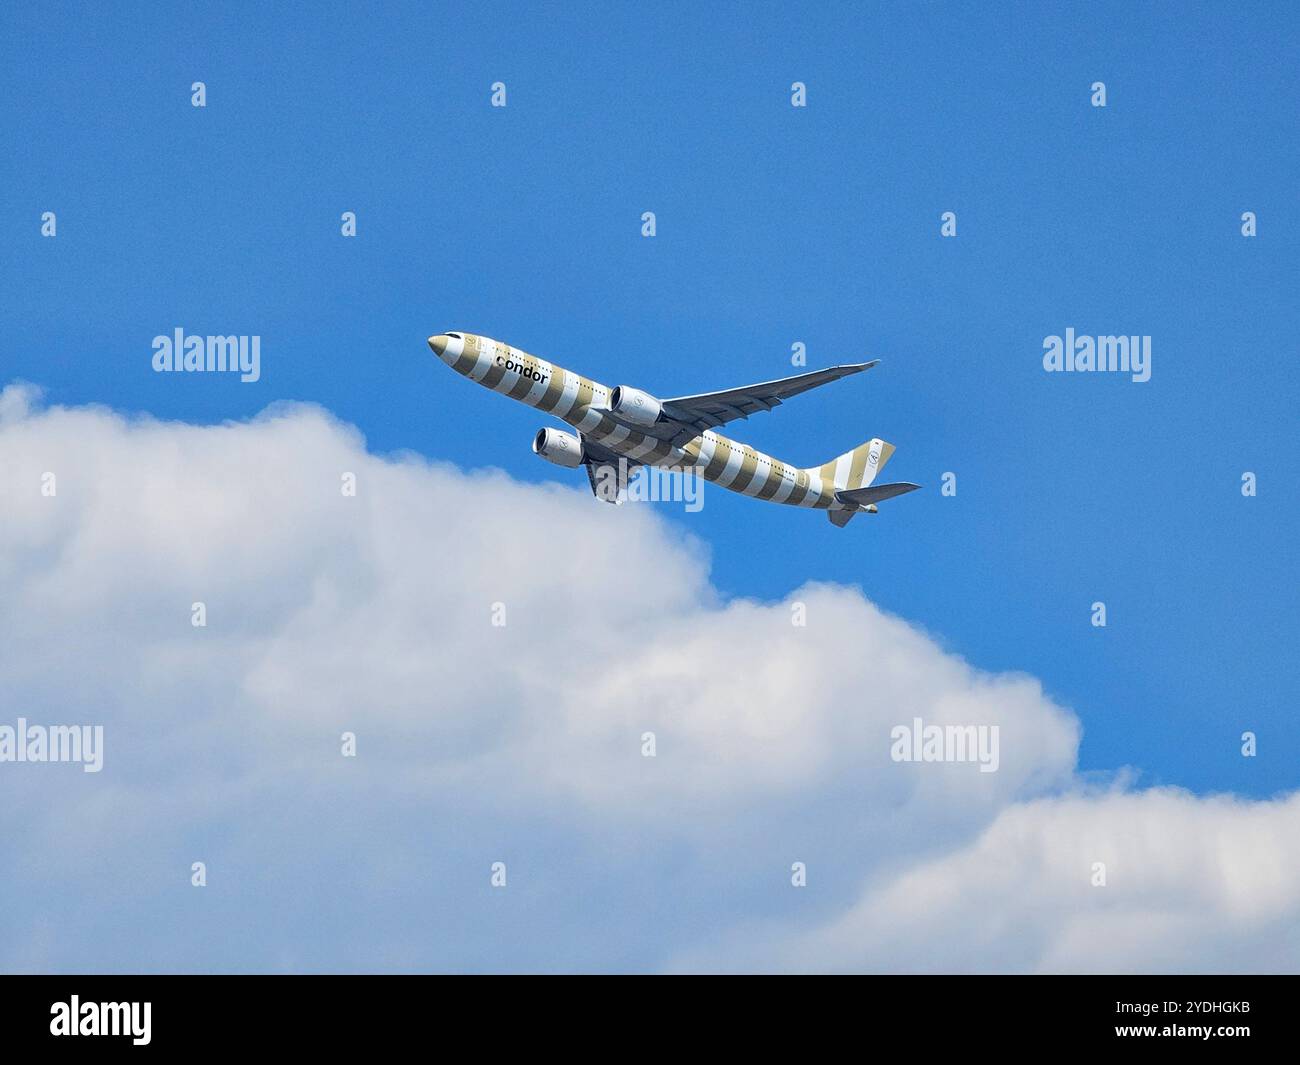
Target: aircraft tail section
856	468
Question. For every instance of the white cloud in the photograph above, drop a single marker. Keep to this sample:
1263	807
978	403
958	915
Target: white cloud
1191	884
373	614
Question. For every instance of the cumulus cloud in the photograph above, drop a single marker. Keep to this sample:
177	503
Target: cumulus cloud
523	742
1190	885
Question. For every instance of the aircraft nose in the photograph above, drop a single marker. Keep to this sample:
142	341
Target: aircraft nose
448	346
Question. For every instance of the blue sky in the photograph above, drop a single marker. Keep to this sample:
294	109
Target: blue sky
775	225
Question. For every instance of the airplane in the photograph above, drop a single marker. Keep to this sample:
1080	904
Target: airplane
624	428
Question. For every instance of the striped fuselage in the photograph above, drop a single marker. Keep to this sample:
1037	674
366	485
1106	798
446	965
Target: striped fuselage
584	404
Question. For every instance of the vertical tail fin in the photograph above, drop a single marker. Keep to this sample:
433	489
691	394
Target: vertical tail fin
856	468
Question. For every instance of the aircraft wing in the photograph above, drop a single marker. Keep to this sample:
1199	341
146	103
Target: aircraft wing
708	410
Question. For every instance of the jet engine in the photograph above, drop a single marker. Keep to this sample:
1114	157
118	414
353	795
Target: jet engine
555	445
635	406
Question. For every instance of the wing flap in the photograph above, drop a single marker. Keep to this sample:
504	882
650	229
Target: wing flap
608	482
607	471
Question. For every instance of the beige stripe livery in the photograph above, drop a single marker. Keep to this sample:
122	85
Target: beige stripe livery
579	401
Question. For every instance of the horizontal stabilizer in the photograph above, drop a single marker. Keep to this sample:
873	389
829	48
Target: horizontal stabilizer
875	493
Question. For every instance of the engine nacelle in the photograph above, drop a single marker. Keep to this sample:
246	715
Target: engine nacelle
557	446
635	406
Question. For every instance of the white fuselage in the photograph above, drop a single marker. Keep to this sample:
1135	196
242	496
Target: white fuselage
584	404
